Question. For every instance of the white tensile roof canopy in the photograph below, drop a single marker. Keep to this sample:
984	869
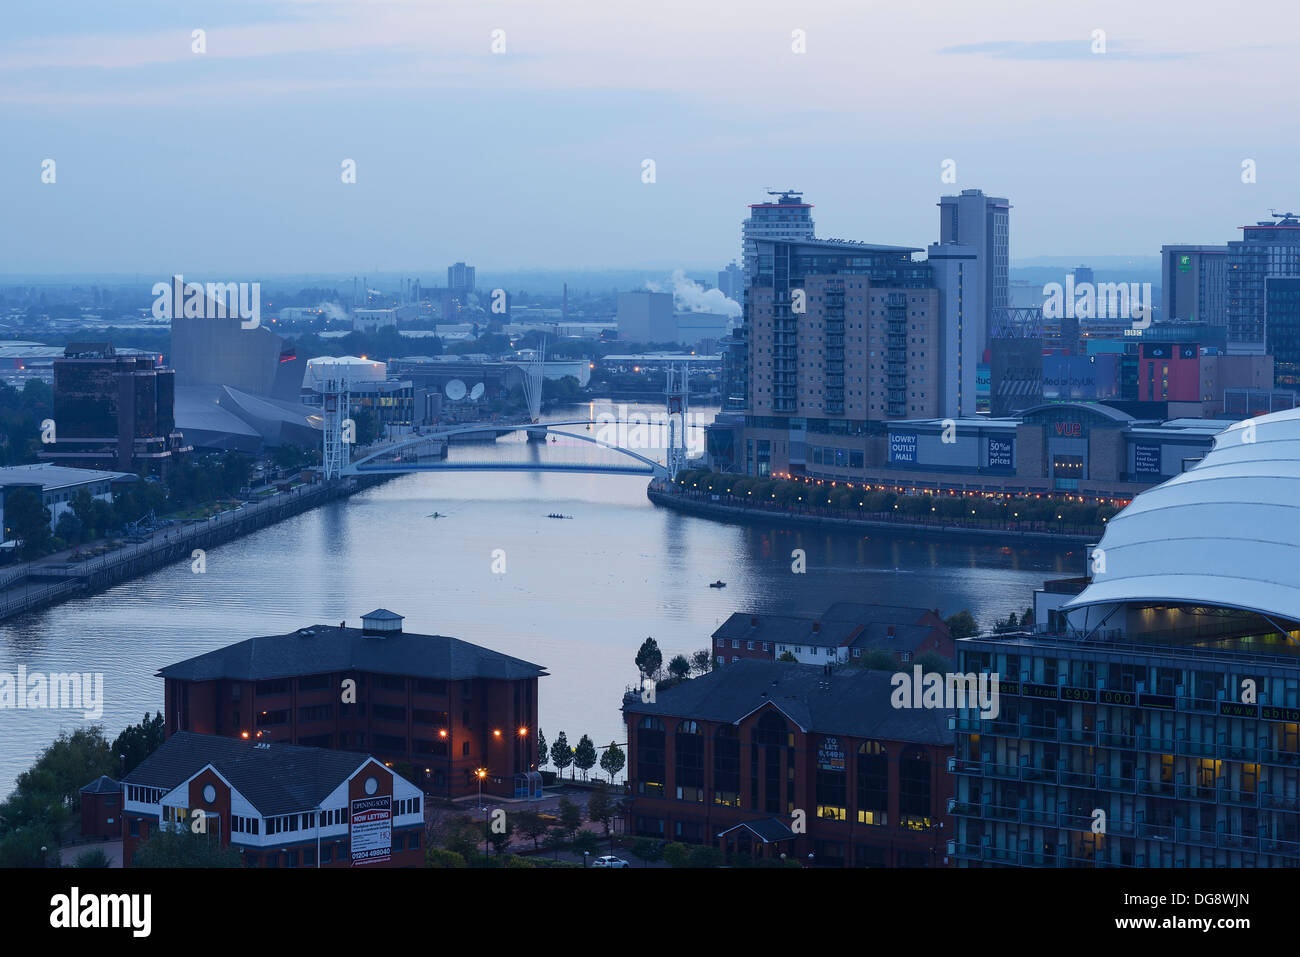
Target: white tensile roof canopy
1224	533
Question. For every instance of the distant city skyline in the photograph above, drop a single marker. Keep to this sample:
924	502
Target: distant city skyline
229	161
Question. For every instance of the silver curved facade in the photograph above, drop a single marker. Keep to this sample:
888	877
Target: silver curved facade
1226	533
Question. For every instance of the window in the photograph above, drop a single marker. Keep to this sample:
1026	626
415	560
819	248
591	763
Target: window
318	712
651	755
914	789
873	783
726	766
688	772
464	748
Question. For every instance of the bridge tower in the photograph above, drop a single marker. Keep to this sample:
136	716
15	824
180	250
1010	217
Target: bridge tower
676	391
533	377
336	450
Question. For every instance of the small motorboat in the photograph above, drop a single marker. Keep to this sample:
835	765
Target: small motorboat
718	584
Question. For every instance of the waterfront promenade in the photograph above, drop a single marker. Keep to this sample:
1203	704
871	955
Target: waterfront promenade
57	577
717	507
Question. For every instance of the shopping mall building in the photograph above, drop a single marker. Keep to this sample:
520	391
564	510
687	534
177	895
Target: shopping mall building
1081	448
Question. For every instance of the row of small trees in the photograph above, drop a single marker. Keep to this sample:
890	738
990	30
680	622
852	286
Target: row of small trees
790	493
581	758
650	663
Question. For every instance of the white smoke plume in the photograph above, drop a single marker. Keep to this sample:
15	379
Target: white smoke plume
690	296
332	310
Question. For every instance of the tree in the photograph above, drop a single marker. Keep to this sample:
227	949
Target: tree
600	810
554	840
139	741
570	817
933	662
1027	619
706	856
561	754
679	667
649	659
702	661
459	833
92	858
437	857
28	521
962	624
184	848
367	425
612	761
647	849
68	527
531	825
28	847
46	795
584	756
542	756
500	838
677	855
879	660
586	841
787	656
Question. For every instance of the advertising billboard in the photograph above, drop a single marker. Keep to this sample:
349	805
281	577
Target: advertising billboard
1001	454
372	829
902	446
830	755
1146	460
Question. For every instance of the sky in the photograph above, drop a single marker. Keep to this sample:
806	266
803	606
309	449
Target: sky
230	161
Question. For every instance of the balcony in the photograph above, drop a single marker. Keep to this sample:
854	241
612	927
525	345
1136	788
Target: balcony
1197	749
1155	745
1192	792
1238	798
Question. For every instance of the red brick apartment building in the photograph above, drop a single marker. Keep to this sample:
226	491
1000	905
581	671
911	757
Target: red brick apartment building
437	707
844	632
728	758
279	805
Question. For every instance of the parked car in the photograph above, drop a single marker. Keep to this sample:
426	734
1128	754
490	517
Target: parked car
609	861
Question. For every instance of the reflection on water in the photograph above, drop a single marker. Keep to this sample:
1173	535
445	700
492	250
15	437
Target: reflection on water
577	596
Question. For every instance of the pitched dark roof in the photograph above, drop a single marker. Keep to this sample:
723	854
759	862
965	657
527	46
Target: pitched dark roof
876	637
864	614
279	779
329	649
785	629
102	785
769	830
849	700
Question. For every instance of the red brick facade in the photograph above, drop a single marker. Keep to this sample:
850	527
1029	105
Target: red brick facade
440	730
904	787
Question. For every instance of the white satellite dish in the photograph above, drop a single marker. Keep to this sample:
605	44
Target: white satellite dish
476	393
455	390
